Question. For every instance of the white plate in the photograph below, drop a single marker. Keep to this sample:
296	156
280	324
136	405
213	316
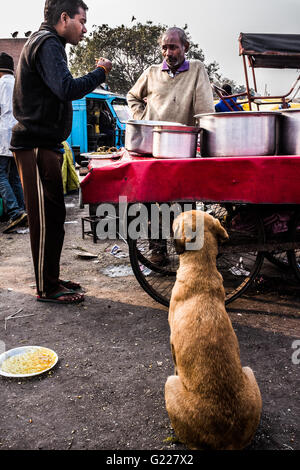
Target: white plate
101	156
21	350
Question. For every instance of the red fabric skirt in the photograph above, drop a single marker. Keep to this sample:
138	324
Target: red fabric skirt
257	180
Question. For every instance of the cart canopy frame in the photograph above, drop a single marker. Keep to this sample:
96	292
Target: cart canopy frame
271	50
267	50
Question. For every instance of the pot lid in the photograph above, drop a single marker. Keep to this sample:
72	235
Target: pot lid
172	128
239	113
290	110
153	123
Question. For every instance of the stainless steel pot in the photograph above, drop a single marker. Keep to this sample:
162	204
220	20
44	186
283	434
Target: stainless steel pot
175	141
139	135
289	135
239	133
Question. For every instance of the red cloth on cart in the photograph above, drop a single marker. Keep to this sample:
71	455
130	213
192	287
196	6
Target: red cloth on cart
259	180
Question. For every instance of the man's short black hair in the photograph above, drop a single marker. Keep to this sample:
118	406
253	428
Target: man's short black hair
54	8
226	87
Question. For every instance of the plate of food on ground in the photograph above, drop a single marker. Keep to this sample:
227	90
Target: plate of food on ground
27	361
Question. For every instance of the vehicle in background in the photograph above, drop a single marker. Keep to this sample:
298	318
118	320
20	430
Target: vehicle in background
99	120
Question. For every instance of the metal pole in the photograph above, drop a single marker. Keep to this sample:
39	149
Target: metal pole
247	82
253	76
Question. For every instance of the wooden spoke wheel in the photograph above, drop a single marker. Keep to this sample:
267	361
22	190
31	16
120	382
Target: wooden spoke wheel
239	261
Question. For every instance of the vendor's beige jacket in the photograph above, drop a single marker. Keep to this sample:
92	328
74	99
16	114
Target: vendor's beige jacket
176	99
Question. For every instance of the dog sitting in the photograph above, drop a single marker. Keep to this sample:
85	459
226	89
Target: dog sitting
213	403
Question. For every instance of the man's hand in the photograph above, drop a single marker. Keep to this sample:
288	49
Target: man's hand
102	62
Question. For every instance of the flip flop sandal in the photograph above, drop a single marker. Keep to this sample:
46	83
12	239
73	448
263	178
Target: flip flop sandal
55	298
70	284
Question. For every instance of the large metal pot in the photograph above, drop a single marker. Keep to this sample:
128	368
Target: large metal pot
289	135
239	133
175	141
139	135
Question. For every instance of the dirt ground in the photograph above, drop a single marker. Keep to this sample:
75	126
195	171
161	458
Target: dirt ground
107	389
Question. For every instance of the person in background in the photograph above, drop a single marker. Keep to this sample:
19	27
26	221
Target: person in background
175	90
221	107
42	104
10	185
70	179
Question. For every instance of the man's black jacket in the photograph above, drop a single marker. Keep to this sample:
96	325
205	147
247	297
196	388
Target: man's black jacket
44	90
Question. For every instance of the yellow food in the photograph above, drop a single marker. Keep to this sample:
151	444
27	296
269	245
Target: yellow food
29	362
104	150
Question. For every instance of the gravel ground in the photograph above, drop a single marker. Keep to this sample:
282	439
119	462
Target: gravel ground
107	390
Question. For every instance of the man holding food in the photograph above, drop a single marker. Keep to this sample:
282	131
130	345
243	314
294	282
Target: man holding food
42	103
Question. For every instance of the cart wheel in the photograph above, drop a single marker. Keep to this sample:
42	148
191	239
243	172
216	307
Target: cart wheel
294	255
155	279
238	267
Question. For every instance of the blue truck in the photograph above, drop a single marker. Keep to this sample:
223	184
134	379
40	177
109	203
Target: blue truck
99	120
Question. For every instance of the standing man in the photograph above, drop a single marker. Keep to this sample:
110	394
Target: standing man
42	102
175	90
10	185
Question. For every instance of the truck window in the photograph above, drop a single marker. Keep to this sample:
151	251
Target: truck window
100	124
121	109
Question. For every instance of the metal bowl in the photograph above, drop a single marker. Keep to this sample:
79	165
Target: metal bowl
175	141
139	135
239	133
289	135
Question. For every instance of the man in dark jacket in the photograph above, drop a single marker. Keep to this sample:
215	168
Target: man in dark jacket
42	104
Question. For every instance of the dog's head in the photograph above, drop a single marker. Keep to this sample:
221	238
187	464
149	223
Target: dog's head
193	229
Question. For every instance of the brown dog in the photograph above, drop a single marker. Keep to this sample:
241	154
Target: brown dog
212	402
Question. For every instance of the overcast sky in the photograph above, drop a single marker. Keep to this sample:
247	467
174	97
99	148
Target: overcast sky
213	24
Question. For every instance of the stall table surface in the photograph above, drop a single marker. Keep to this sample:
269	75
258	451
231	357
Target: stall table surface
248	180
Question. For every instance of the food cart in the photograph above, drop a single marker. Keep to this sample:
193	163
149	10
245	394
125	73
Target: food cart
256	198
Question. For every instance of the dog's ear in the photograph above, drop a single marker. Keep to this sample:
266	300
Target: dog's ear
186	229
222	235
179	246
179	239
